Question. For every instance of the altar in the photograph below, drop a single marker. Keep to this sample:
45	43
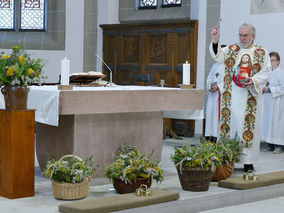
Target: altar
98	120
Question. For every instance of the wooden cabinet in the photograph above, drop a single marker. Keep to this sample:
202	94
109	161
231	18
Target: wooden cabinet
17	141
145	53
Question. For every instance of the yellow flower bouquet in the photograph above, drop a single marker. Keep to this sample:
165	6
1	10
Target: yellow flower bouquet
195	165
203	155
19	69
129	164
70	169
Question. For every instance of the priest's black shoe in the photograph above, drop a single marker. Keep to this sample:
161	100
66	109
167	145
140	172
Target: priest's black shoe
248	167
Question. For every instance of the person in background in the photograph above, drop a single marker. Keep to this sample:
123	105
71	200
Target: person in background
273	102
241	103
214	92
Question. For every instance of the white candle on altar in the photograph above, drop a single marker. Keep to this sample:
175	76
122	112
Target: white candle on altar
65	70
186	73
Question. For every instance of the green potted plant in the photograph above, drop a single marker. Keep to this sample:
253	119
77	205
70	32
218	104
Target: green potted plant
195	165
70	176
131	168
17	71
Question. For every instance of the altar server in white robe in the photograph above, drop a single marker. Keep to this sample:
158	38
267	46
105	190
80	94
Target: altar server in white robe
273	102
214	91
247	69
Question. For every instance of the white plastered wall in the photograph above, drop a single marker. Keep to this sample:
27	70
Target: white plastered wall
198	12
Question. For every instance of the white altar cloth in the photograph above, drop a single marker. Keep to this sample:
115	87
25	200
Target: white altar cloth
45	100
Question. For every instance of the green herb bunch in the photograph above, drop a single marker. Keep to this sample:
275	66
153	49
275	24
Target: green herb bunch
70	169
129	164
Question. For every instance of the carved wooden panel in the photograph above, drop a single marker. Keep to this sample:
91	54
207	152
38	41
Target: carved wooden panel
131	48
183	47
183	50
158	49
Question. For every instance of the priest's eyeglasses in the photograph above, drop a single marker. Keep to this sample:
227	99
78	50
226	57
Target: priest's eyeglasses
243	35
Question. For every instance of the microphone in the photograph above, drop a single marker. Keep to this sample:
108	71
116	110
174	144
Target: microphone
110	71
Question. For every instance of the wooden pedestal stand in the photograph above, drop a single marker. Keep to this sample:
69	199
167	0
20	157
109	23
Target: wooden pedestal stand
17	138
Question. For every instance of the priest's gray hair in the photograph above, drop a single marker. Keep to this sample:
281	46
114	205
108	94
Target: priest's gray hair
252	28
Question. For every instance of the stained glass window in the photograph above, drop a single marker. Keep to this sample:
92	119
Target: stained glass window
171	3
147	4
7	15
33	15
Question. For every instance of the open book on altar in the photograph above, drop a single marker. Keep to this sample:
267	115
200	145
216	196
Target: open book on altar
85	77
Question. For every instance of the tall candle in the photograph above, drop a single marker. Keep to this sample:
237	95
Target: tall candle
65	70
186	73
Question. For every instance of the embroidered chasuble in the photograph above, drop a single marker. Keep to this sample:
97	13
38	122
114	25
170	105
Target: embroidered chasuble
240	106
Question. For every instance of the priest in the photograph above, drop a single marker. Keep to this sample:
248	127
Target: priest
247	69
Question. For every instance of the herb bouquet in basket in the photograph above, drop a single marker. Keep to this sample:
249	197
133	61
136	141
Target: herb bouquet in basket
70	176
229	150
195	165
131	168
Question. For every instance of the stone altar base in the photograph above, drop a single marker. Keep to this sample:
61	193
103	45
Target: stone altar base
100	135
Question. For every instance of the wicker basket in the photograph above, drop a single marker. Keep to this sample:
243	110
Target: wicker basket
222	173
195	179
122	188
71	191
